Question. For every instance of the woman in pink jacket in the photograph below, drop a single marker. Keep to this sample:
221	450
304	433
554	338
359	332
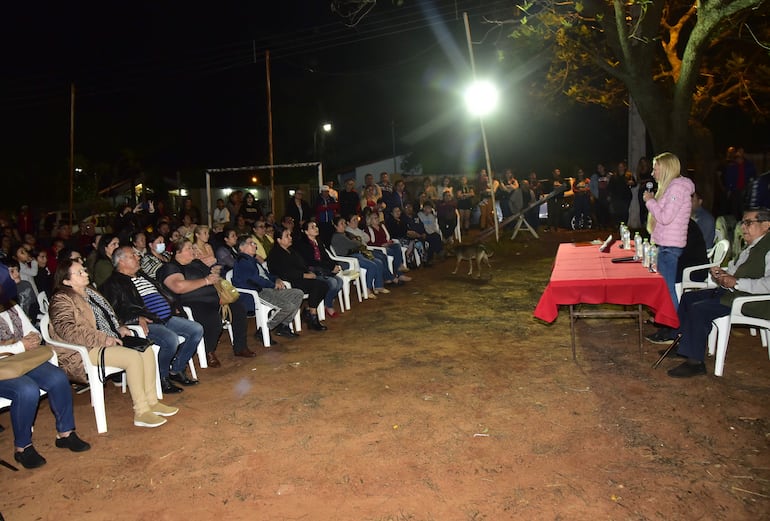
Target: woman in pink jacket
669	216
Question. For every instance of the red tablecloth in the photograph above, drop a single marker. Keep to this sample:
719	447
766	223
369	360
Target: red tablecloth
583	275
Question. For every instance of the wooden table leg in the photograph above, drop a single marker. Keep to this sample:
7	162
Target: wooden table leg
641	337
572	319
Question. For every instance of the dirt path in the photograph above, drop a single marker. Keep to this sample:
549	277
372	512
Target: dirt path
445	400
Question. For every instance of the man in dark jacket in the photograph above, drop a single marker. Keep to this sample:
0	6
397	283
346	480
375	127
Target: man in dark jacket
249	273
749	274
138	299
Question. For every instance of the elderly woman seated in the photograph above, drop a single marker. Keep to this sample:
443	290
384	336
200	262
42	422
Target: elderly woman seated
192	283
81	315
318	261
16	336
289	266
378	235
377	272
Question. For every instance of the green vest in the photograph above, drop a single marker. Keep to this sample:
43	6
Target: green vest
753	268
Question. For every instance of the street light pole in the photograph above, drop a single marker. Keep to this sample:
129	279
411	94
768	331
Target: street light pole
483	130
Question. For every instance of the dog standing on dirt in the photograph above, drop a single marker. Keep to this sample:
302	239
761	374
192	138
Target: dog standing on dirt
470	252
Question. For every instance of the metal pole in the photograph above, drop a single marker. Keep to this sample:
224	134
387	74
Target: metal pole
270	132
483	131
393	140
72	150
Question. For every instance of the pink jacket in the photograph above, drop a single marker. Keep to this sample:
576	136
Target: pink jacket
672	213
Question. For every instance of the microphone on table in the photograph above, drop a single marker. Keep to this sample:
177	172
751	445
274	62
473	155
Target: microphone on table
649	186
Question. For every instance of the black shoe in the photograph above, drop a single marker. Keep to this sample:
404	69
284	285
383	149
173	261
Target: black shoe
687	370
662	336
285	331
29	458
181	378
73	443
307	316
317	324
168	388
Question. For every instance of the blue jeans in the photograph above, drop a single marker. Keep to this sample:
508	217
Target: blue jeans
383	258
394	250
335	285
668	259
24	392
374	271
697	310
167	337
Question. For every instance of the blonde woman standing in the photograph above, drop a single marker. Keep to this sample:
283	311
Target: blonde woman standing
669	214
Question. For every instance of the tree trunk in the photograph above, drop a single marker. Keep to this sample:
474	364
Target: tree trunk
704	163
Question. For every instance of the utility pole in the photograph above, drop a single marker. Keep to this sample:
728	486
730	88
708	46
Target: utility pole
483	131
270	131
72	151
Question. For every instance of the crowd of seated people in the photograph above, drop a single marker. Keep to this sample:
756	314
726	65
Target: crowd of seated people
151	266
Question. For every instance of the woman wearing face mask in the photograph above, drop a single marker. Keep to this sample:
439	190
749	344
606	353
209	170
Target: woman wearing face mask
154	255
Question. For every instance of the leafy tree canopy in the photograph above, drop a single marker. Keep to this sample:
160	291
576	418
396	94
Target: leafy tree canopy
678	60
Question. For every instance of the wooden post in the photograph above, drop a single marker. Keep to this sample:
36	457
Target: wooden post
72	150
270	132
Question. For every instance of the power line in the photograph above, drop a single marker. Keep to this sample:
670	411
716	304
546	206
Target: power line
196	63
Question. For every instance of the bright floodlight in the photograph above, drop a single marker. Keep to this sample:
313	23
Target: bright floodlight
481	98
327	127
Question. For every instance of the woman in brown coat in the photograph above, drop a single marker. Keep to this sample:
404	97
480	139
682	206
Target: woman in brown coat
73	310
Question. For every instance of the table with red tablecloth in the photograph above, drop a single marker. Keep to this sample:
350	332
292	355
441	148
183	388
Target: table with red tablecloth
584	275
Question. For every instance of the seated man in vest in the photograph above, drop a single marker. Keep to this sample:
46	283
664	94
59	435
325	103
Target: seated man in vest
748	275
138	299
249	273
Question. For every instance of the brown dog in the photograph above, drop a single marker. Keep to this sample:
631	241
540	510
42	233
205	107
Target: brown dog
470	252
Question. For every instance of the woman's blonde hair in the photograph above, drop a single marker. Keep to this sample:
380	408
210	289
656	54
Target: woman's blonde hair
200	228
669	169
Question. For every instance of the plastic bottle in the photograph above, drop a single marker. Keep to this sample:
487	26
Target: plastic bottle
646	254
627	238
621	234
653	258
637	246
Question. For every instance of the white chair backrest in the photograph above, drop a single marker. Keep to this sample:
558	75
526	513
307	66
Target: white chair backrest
42	301
719	251
229	276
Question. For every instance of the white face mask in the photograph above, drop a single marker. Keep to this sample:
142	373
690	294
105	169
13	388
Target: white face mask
160	247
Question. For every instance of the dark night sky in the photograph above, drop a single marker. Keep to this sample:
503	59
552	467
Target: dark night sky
178	84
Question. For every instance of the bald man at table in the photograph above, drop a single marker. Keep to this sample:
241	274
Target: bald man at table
748	275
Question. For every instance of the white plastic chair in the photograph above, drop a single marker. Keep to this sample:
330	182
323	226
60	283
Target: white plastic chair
458	234
347	280
321	310
92	372
201	351
363	290
720	331
6	402
391	259
263	310
42	302
716	257
140	333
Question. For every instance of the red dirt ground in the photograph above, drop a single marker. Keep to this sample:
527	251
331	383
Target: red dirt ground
445	400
